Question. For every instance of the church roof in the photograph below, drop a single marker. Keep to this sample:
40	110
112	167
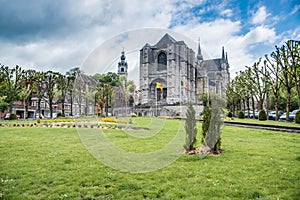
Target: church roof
86	79
164	41
212	65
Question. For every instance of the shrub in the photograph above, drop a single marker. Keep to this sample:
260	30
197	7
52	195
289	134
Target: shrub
38	120
59	115
230	115
241	115
206	122
262	115
12	117
297	117
109	119
212	123
190	128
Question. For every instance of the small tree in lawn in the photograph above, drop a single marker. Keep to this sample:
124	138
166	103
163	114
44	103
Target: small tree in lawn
212	123
190	128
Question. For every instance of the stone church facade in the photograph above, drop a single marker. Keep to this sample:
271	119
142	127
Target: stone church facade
171	73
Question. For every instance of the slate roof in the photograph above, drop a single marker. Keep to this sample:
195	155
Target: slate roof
87	79
213	64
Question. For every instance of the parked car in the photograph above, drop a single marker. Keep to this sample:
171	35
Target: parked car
54	115
272	115
292	116
41	116
7	115
251	115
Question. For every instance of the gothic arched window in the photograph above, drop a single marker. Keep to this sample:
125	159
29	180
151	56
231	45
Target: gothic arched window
162	61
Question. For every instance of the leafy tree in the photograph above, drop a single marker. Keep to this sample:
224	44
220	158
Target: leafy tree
62	86
293	49
71	77
40	89
3	105
274	82
11	84
50	83
190	128
105	89
281	57
28	82
259	82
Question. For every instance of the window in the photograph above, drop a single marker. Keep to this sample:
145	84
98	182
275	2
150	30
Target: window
162	61
165	93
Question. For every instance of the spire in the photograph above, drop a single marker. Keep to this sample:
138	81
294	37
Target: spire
223	54
226	58
123	55
199	55
227	62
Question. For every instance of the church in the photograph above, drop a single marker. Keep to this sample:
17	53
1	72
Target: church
171	73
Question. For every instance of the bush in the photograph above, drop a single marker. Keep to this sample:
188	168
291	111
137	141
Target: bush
297	117
12	117
241	115
230	114
38	120
206	122
262	115
190	128
59	115
109	119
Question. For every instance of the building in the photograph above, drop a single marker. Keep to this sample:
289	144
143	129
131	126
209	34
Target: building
171	73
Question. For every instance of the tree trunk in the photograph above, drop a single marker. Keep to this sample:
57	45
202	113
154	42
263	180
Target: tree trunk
26	108
51	107
63	106
248	107
253	107
261	103
276	108
71	102
39	106
288	102
106	105
11	104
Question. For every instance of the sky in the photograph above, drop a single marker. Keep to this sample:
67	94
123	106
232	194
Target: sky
62	34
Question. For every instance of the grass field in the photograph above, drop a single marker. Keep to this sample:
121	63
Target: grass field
272	122
52	163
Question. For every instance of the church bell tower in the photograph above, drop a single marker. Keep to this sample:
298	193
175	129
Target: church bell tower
122	65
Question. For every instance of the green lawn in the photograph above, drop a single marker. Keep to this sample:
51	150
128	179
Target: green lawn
52	163
272	122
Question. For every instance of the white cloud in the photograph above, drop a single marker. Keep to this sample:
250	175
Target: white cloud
295	9
227	12
260	15
260	34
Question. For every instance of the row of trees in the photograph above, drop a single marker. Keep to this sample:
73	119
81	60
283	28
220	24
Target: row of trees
17	84
273	79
